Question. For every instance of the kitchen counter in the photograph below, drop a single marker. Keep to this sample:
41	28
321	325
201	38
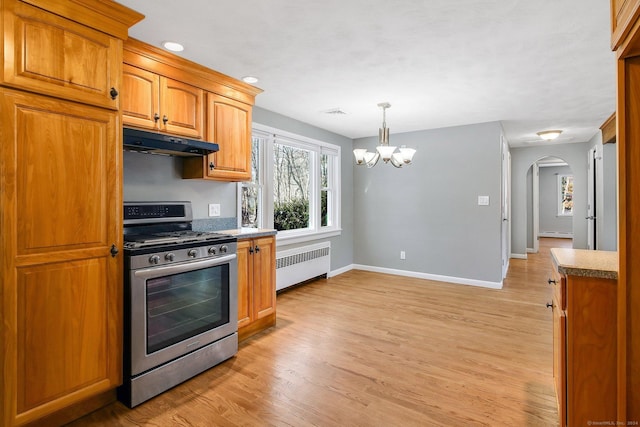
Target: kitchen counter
586	263
249	233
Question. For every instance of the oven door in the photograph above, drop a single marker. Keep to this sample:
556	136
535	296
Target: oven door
179	308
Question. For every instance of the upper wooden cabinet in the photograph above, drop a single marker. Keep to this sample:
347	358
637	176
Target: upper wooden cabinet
624	13
159	103
229	125
181	87
56	56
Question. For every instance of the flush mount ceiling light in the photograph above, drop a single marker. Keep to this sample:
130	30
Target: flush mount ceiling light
173	46
548	135
384	150
250	79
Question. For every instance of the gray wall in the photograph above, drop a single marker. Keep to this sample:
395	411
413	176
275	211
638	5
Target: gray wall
550	222
522	158
430	209
607	210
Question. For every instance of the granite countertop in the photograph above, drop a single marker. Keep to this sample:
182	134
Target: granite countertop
249	233
586	263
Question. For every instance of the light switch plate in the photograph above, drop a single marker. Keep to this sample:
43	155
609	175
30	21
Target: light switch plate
214	209
483	200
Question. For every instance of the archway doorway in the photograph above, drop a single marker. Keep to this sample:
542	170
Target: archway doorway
550	187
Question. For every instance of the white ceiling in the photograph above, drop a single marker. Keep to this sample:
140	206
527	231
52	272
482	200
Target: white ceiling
533	65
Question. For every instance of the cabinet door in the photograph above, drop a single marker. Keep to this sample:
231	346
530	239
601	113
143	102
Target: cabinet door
623	14
560	360
245	274
140	103
181	108
48	54
229	125
60	192
264	281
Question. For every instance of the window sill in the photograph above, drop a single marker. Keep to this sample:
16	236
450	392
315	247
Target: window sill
283	240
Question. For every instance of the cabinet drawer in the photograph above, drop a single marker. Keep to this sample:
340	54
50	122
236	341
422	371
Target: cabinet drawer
559	283
54	56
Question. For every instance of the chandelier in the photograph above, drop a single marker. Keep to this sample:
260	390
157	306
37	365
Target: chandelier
384	150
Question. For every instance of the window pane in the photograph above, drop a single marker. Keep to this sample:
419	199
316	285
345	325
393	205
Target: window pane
566	194
325	218
290	187
250	206
324	174
255	160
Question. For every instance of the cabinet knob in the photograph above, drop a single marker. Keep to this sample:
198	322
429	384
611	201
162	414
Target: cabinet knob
550	305
211	166
165	119
251	250
550	281
114	251
257	248
113	92
156	117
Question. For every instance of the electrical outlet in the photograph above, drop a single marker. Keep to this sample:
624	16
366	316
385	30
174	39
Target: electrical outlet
214	209
403	255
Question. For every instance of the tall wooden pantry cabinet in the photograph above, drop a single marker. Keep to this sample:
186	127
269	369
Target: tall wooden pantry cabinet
625	41
60	207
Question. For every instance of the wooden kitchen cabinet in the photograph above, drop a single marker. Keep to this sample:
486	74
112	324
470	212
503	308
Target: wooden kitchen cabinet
624	13
159	103
227	109
61	199
584	337
229	125
256	285
50	54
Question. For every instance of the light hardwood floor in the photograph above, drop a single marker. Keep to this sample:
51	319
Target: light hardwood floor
369	349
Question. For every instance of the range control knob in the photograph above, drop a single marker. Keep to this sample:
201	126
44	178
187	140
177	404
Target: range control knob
212	250
192	253
223	249
154	259
170	256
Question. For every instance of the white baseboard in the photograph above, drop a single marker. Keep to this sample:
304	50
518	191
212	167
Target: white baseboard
434	277
519	256
333	273
556	234
531	251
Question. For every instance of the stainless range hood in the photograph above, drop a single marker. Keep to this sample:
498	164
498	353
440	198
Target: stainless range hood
158	143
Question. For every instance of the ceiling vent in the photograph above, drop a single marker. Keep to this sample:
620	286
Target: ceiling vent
336	111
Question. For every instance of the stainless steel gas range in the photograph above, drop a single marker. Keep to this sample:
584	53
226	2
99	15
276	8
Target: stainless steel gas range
180	299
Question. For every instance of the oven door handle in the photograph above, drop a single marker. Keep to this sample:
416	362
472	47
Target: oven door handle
183	267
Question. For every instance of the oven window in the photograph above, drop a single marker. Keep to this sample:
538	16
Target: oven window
184	305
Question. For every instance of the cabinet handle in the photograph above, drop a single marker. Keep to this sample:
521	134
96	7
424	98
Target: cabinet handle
113	92
114	251
550	281
165	119
211	166
156	117
257	248
550	305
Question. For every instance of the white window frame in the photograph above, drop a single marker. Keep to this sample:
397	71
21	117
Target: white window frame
316	148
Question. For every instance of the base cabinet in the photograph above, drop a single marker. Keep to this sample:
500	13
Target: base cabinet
584	348
256	285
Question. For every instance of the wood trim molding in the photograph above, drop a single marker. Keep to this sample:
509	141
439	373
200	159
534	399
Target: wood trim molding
608	129
156	60
106	16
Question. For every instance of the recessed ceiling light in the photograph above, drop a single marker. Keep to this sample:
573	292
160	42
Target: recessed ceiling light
173	46
250	79
548	135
